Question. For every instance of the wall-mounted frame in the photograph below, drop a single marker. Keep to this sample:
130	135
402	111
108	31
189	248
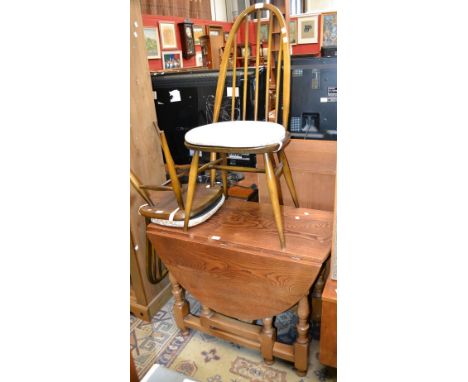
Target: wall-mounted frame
264	32
153	49
199	58
329	36
244	51
293	32
198	31
172	60
187	39
212	30
168	35
307	28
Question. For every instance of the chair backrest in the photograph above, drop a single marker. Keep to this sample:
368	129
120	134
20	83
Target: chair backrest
173	176
136	183
283	63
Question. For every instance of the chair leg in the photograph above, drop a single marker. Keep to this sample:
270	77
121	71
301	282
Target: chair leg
273	191
278	183
192	185
288	177
212	171
224	175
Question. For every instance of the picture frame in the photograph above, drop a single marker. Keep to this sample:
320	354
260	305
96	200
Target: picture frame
199	58
293	32
264	32
187	39
153	47
329	35
172	60
307	28
168	35
198	31
244	51
226	36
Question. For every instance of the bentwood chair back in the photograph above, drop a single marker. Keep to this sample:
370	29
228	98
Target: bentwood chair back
265	138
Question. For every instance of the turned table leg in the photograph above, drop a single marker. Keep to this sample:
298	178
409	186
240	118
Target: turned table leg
301	346
267	340
205	315
181	306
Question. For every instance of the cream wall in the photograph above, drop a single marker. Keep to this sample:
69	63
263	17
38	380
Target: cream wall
320	5
218	10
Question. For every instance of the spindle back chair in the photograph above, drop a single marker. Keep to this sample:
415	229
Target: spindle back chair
249	137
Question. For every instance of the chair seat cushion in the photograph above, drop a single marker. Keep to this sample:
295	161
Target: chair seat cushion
237	134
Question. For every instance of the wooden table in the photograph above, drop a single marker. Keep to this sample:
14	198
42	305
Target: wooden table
234	266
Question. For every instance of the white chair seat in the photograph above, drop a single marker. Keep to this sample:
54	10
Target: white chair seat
237	134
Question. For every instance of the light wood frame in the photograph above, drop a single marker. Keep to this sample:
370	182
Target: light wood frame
157	55
168	27
272	171
302	22
323	31
198	30
263	33
291	40
199	58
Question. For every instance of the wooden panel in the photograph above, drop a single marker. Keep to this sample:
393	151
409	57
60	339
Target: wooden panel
216	43
145	151
133	372
233	262
328	333
313	166
146	312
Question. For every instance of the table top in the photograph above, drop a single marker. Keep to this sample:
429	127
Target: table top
250	226
233	262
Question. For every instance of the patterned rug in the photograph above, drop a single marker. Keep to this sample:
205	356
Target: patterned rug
209	359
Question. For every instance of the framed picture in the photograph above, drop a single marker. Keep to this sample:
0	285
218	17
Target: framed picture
172	60
293	32
307	30
153	50
263	32
168	35
329	30
198	31
186	39
199	58
226	36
